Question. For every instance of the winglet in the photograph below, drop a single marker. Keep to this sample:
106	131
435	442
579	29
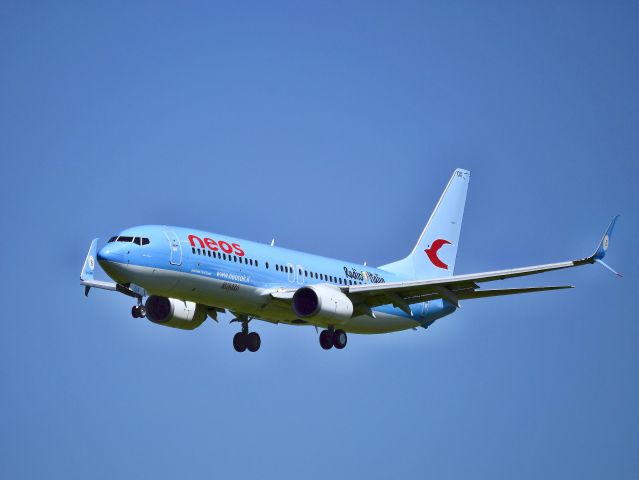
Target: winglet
603	245
89	265
600	253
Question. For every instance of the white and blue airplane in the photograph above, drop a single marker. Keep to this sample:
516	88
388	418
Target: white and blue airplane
181	276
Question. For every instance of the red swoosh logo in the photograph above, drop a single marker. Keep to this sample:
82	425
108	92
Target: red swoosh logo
432	253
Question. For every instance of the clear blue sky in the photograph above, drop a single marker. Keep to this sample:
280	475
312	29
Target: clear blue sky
334	128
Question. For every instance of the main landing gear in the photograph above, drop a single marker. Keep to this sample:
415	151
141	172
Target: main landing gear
246	340
333	338
138	311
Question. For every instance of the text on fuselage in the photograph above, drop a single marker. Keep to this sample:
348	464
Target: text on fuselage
213	245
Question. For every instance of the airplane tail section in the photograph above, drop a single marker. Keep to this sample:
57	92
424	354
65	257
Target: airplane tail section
435	252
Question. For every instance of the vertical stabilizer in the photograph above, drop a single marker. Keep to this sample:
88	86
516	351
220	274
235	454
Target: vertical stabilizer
436	250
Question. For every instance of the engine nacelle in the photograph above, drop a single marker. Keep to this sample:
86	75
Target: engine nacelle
324	302
171	312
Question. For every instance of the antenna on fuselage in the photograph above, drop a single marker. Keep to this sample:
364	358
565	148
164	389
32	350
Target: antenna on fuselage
364	262
272	242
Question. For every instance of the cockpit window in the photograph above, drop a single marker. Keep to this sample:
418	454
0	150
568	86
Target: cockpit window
136	240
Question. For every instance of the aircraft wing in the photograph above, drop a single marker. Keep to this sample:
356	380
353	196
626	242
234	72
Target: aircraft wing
458	287
88	281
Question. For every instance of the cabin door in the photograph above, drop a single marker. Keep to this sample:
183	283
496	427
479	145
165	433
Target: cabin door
176	248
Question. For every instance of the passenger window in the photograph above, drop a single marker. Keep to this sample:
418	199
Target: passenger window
224	256
208	253
258	265
306	273
277	267
321	276
198	251
264	264
193	248
234	258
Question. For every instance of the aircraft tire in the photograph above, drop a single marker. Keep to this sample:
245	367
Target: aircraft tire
239	342
253	341
339	339
142	311
135	311
326	340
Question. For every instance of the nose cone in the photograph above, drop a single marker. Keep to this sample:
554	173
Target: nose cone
110	253
113	260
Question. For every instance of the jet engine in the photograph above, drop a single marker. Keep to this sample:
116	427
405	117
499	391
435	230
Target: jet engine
324	302
175	313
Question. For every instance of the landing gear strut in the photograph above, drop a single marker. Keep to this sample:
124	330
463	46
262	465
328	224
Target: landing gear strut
333	338
246	340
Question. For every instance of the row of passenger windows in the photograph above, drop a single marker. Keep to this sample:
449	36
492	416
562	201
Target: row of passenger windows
136	240
279	268
224	256
318	276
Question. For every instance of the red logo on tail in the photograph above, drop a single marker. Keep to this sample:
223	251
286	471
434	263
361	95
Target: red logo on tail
432	253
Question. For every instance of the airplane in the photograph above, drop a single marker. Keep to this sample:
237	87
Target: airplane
179	277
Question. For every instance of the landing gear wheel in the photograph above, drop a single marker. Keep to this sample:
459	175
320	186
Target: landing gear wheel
135	311
339	339
142	311
253	342
326	339
239	342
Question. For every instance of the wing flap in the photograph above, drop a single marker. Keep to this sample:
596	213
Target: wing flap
509	291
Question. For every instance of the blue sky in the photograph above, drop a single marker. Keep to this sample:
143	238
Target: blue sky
332	127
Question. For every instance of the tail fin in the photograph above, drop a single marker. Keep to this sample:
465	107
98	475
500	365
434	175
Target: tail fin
435	252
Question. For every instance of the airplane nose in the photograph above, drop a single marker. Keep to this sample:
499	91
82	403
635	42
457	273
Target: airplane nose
109	253
103	255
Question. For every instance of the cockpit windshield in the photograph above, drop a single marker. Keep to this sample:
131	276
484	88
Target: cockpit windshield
136	240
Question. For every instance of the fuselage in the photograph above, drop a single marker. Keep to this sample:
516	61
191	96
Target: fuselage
239	275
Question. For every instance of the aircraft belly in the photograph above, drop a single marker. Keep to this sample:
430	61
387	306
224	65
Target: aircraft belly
249	300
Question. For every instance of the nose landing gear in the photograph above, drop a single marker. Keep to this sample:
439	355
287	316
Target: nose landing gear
333	338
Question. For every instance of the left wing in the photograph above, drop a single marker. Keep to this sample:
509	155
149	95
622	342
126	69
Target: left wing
458	287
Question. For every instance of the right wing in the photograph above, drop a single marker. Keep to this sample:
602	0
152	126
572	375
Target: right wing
87	279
